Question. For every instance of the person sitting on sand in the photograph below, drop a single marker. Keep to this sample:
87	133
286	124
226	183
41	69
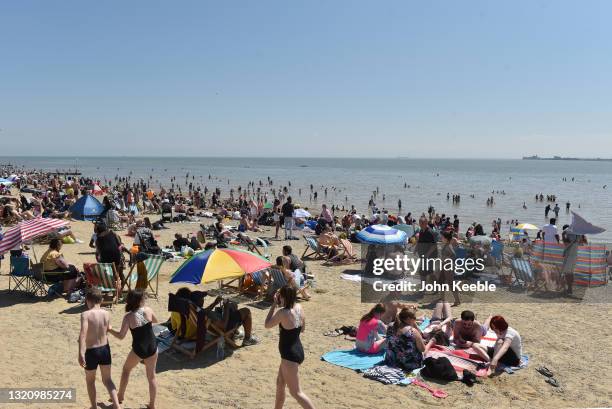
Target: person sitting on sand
405	344
94	349
508	347
138	320
467	333
368	337
53	261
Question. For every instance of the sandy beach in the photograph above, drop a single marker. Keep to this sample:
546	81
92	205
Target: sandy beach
39	339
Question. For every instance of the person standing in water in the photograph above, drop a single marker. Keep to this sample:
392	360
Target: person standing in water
291	323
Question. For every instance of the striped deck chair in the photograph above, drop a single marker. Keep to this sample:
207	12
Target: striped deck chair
591	266
278	280
523	274
347	255
258	284
104	277
312	245
152	264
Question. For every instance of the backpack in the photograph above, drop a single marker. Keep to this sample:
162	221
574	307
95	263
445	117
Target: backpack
148	243
439	368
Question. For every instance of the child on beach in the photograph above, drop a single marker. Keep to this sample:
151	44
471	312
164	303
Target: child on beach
94	349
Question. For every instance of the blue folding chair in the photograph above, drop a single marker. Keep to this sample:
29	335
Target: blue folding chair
20	274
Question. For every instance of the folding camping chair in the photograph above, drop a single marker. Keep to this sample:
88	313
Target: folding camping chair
20	274
40	282
104	276
152	264
315	249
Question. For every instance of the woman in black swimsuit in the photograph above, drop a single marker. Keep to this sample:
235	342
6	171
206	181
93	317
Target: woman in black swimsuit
291	323
139	320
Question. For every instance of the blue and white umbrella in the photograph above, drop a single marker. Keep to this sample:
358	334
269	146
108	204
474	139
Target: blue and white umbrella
381	234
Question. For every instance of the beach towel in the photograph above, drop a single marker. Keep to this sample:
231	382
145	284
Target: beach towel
354	359
385	374
461	359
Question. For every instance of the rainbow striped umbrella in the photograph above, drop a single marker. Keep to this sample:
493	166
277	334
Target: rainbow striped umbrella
218	264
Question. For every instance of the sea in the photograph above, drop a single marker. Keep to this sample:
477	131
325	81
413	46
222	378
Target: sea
418	183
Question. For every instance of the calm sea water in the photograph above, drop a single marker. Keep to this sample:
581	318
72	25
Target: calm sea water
429	180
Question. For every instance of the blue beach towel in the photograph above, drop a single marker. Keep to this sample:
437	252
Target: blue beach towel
354	359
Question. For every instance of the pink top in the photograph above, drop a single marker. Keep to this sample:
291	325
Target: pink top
366	328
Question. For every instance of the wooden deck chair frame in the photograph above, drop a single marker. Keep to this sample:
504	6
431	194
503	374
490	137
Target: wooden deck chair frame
277	282
348	254
314	247
100	271
259	281
197	316
153	265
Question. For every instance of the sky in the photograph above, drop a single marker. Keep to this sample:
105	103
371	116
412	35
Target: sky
311	78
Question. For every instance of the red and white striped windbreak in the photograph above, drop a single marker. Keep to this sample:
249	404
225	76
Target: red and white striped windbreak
28	230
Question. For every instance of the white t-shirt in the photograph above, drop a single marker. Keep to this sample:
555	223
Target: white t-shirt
515	341
550	231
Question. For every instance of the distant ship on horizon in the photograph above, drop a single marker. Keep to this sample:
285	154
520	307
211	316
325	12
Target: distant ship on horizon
536	157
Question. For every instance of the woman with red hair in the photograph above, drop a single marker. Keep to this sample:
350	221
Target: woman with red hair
508	347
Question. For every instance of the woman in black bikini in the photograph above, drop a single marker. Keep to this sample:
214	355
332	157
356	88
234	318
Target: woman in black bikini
139	320
291	322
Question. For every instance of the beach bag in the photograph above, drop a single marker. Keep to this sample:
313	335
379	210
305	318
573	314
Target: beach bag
148	244
439	368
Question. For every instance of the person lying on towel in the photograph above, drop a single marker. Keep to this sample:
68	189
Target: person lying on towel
467	333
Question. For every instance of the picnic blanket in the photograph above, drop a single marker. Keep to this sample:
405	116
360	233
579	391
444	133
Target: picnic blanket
461	359
354	359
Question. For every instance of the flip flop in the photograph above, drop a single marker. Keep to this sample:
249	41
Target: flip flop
553	382
545	371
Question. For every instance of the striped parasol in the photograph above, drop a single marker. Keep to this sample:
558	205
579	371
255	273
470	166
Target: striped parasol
381	234
28	230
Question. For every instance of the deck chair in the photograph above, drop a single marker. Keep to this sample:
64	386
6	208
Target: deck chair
20	274
278	280
524	276
104	276
313	246
497	251
197	316
347	255
152	264
258	284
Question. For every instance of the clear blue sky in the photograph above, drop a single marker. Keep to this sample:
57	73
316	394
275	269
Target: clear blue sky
309	78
